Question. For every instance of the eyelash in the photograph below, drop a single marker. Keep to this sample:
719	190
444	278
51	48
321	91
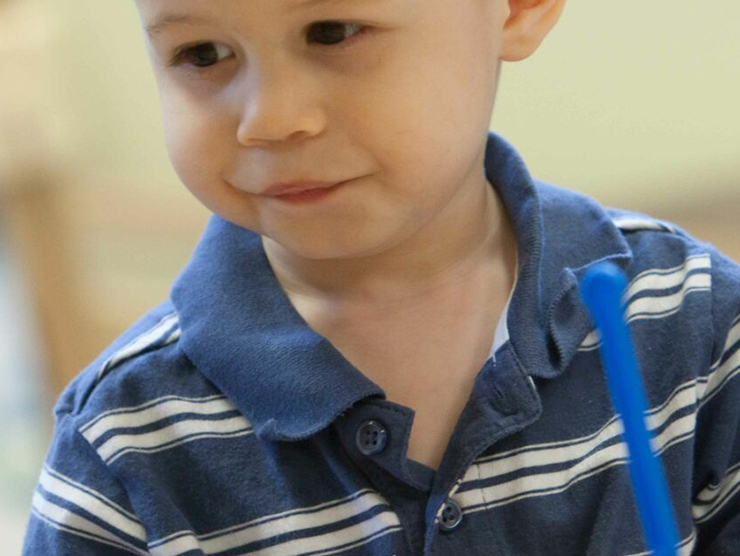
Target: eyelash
180	57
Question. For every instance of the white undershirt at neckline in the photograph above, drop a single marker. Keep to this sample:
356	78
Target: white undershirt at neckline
501	335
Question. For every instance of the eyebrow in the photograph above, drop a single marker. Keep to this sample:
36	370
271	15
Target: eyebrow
169	19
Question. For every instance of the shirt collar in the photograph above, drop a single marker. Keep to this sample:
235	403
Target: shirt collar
241	331
560	234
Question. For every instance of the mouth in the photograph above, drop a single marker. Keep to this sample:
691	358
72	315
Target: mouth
291	188
307	195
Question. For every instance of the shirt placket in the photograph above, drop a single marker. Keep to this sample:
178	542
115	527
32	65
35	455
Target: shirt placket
431	506
374	432
503	402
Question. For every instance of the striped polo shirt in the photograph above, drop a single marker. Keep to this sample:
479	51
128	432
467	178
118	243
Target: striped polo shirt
221	423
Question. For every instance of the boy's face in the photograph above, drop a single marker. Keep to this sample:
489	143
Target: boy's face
401	108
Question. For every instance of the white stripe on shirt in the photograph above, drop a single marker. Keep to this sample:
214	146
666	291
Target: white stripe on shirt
153	411
667	305
91	501
693	393
634	223
720	375
543	484
65	520
588	455
173	435
685	547
733	337
713	498
141	342
267	527
660	306
663	279
573	449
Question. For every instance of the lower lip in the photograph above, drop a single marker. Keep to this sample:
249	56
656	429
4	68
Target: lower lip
310	196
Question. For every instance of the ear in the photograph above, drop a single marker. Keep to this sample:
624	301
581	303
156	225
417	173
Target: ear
528	24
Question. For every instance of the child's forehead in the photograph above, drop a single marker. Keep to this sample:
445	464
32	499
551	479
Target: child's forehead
190	6
159	14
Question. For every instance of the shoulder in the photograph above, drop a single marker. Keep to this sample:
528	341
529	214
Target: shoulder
662	248
666	254
651	240
668	265
563	206
142	366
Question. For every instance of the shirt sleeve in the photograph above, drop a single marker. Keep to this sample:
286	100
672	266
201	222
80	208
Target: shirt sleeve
716	503
79	506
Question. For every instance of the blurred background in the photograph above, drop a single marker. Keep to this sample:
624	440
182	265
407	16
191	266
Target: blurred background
633	103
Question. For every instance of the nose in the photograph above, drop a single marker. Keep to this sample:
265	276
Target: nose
279	103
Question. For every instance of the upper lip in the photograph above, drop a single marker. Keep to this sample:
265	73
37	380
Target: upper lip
297	186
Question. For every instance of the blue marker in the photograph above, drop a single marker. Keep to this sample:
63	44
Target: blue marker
602	288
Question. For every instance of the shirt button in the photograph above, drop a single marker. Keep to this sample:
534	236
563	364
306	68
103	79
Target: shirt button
371	437
451	516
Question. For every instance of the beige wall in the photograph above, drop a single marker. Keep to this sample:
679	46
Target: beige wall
635	102
636	105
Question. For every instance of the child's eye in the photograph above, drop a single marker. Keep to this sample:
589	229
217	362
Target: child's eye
204	56
205	53
334	32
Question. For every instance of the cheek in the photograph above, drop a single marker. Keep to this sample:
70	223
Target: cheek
193	148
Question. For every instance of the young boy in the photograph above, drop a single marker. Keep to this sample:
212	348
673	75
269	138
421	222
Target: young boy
398	362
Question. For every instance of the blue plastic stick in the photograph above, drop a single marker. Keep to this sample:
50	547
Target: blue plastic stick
602	289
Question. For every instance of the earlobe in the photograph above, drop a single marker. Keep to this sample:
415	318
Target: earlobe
528	24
